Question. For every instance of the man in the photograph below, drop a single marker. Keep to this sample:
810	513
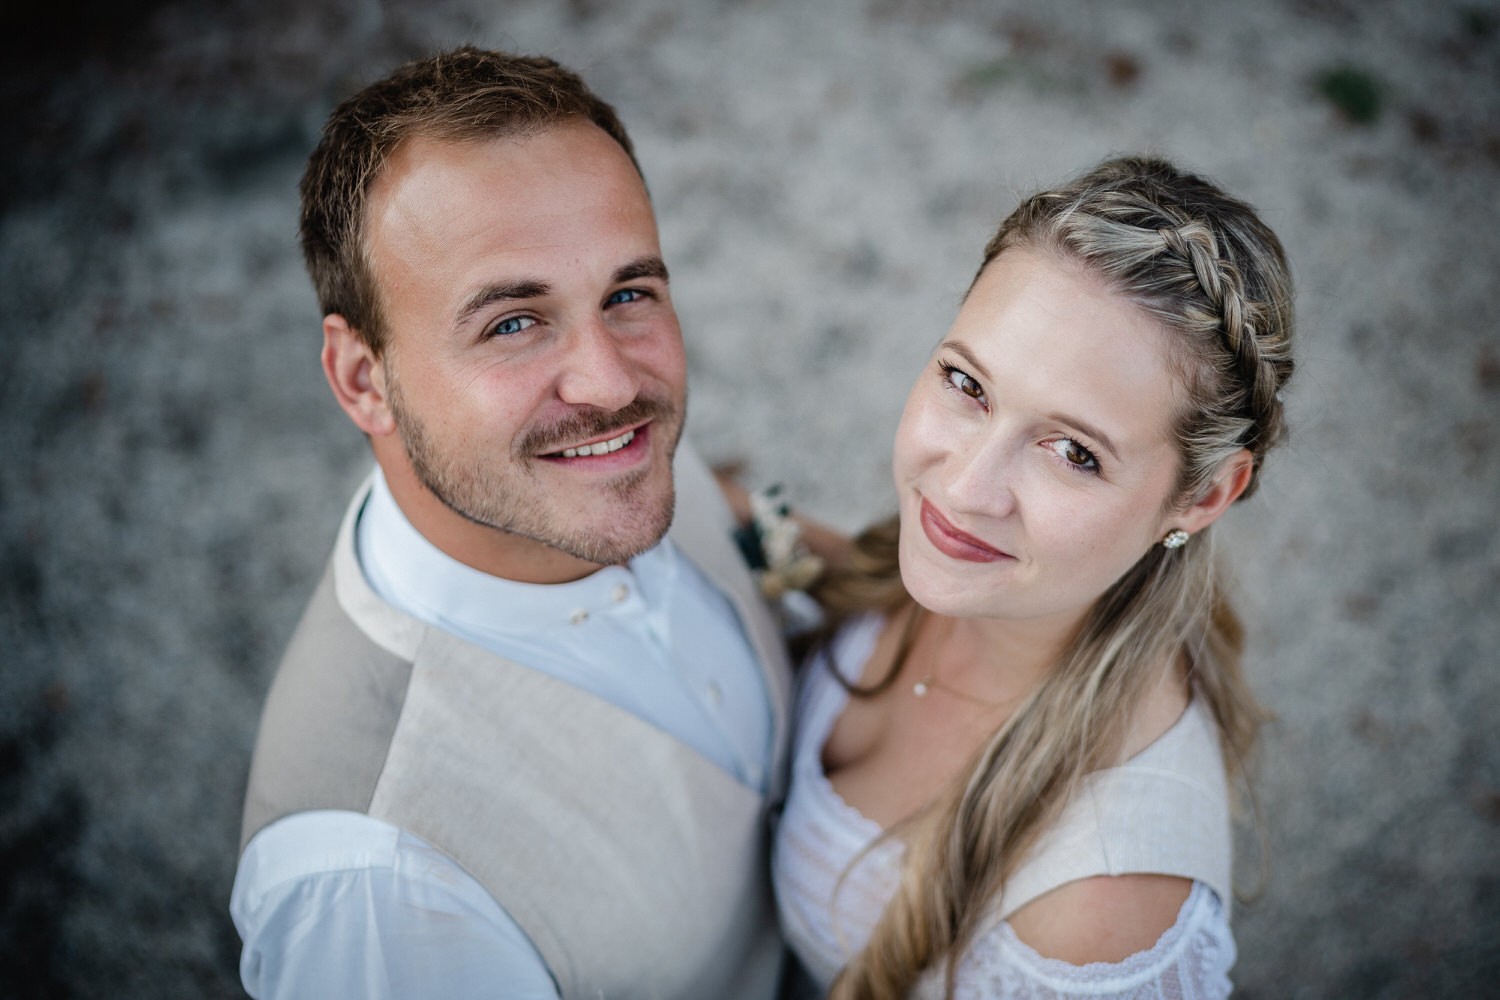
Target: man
521	745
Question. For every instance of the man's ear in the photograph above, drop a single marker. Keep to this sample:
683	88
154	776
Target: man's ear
356	376
1230	481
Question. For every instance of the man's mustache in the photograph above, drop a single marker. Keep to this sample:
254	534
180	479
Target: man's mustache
588	423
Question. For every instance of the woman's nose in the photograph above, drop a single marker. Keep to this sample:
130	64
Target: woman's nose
980	476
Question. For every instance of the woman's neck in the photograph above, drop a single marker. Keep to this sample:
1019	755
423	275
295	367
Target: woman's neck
992	659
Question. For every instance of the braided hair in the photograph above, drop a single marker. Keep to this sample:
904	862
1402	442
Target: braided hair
1203	265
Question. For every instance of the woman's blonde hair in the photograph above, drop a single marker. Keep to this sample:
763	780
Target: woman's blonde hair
1210	271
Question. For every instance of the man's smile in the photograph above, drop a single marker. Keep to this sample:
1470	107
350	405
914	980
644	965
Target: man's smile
599	447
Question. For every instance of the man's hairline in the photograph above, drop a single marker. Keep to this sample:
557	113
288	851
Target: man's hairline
380	168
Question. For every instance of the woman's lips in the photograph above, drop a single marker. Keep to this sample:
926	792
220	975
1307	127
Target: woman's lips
954	543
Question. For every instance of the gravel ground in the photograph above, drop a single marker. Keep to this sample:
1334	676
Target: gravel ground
825	176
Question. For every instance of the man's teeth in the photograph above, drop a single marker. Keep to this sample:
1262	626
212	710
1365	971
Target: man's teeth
601	448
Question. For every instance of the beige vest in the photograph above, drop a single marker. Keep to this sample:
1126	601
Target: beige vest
637	867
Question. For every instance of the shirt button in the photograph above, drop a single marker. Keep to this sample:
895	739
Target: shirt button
620	592
579	617
715	693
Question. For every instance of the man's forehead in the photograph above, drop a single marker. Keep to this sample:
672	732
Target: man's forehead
485	220
422	149
559	165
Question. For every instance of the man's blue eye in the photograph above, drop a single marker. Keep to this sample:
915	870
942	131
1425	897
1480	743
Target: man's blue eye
513	324
625	295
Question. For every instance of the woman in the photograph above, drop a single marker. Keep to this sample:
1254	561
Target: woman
1011	770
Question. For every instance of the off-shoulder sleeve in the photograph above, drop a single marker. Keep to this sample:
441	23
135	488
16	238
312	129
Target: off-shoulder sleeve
1190	961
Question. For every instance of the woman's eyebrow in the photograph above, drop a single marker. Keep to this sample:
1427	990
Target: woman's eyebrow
962	350
1088	429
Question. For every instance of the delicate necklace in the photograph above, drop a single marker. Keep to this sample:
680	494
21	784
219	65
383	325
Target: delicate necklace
929	681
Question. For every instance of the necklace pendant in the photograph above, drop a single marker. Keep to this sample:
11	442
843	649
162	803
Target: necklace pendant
920	688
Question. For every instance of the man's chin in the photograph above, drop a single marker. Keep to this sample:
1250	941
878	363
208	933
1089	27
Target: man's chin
613	551
619	536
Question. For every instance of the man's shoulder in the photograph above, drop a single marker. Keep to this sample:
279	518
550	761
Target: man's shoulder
309	844
333	664
317	893
328	719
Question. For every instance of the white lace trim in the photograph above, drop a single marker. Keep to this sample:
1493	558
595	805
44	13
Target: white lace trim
1190	961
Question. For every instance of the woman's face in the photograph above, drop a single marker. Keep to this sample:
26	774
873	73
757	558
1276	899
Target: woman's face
1035	461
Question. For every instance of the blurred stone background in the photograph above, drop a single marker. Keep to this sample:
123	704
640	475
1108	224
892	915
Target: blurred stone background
825	174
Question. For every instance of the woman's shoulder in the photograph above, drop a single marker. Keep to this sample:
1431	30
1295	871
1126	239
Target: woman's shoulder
821	697
1189	743
844	653
855	641
1103	918
1164	812
1193	954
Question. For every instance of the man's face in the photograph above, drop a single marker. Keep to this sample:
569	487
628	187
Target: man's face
533	363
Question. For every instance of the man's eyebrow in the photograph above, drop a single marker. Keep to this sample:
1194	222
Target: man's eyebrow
644	267
501	291
507	291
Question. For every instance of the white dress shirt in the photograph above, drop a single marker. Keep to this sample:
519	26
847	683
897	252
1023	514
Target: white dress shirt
335	903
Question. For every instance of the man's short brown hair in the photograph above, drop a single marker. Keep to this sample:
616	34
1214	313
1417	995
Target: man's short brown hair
466	95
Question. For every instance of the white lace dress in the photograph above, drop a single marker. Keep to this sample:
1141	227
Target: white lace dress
828	908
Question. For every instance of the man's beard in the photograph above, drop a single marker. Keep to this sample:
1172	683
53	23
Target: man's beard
505	494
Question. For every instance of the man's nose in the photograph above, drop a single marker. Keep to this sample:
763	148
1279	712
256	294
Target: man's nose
597	371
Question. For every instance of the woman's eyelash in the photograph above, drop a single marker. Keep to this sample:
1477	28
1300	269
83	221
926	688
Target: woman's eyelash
963	384
1086	462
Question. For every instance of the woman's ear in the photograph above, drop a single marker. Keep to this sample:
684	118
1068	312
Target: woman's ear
356	376
1228	483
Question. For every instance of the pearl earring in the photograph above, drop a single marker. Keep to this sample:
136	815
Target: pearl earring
1176	539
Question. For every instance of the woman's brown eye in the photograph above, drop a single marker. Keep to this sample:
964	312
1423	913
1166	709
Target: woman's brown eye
957	378
1076	455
